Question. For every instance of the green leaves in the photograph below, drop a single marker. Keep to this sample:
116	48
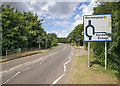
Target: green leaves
77	31
114	46
21	30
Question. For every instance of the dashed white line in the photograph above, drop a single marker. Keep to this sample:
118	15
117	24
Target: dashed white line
26	68
16	66
11	77
57	79
54	82
40	63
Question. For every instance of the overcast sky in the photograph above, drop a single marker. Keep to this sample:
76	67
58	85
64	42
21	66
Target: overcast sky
59	17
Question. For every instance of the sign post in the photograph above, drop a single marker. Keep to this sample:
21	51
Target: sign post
105	55
95	28
78	39
46	43
88	54
39	39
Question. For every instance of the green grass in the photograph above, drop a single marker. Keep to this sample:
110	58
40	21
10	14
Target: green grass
25	54
19	56
101	68
110	71
81	74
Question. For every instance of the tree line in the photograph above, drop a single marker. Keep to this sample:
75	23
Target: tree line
98	47
21	30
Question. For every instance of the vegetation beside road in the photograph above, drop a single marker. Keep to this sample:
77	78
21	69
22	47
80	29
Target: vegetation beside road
96	74
21	30
113	47
27	54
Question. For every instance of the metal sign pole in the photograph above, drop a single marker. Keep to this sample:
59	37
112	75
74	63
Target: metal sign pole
88	54
105	55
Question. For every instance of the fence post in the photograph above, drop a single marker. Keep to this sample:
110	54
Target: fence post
31	49
36	49
17	52
25	50
6	54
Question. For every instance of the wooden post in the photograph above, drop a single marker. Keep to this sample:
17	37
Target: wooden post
31	49
17	52
6	54
25	50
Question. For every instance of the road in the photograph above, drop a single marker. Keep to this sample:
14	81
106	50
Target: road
51	67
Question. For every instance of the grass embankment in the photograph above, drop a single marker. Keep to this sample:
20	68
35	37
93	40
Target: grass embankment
26	54
96	74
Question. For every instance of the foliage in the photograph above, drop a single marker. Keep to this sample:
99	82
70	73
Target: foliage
62	40
20	29
52	39
114	46
77	31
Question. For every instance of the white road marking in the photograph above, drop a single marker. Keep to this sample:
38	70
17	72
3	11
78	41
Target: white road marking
16	59
11	77
40	63
57	79
27	63
31	62
64	48
16	66
26	69
54	82
3	72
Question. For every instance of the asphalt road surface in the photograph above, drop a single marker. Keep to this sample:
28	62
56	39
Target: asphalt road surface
51	67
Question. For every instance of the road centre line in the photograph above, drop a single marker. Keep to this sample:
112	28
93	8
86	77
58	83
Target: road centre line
17	59
27	63
26	68
11	77
57	79
54	82
31	67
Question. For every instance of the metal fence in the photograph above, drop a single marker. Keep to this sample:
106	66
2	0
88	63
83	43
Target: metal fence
20	52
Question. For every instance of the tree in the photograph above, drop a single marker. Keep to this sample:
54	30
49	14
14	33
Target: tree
77	31
20	29
113	47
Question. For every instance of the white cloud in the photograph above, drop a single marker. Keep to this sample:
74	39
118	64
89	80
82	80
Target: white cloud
62	9
88	10
49	4
80	21
63	31
82	6
77	17
61	23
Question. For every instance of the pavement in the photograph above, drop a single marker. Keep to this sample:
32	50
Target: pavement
51	67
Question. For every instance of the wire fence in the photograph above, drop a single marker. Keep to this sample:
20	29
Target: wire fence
20	52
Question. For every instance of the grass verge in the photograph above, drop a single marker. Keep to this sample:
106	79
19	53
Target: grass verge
96	74
26	54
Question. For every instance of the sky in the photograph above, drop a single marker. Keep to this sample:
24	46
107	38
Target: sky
59	17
